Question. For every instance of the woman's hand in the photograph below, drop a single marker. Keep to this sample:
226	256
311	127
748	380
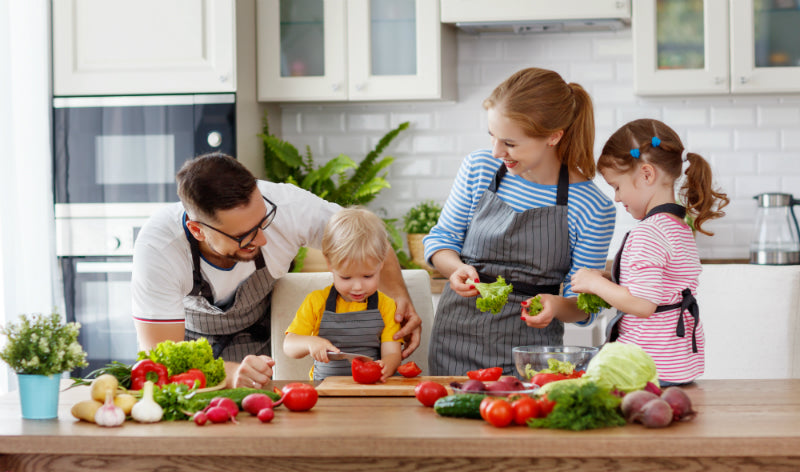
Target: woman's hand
410	325
463	280
543	319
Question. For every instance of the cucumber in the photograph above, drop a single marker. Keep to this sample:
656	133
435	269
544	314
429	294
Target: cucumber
465	405
201	399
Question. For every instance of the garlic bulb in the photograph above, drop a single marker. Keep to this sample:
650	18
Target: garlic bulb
147	410
109	414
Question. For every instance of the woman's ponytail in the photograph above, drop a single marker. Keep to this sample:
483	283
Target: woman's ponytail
576	147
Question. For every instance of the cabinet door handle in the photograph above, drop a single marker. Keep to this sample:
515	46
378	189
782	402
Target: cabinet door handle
719	80
223	78
743	80
335	87
360	87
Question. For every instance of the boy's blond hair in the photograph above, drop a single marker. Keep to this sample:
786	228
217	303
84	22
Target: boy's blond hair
354	235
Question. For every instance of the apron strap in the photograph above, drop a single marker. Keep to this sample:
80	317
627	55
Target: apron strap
562	191
688	303
330	303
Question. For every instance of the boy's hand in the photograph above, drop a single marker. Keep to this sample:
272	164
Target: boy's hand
318	348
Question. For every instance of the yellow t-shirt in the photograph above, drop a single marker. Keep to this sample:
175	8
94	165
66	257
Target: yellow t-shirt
309	316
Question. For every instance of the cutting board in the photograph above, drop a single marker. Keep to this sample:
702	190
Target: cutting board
396	386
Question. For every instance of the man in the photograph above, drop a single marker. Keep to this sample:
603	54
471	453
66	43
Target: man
205	267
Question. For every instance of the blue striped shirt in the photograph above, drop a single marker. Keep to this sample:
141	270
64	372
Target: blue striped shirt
590	213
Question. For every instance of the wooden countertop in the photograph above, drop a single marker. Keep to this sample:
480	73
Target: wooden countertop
752	425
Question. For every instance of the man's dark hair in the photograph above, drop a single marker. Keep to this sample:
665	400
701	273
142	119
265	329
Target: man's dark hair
212	182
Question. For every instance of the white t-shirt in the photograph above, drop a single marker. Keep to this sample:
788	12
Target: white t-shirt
162	258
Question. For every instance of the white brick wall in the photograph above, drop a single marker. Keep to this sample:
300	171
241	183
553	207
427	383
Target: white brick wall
752	142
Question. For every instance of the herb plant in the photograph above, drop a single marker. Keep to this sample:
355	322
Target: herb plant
422	217
42	345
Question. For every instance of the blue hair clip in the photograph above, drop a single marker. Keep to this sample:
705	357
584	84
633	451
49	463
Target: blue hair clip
655	141
635	153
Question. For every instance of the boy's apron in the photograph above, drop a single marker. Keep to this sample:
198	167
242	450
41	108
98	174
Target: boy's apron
687	303
357	332
530	250
241	329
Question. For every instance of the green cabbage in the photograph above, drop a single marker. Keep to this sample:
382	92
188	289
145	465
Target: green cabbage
625	367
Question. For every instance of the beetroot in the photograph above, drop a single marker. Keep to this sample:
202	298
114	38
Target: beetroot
473	386
633	402
679	402
651	387
654	414
512	383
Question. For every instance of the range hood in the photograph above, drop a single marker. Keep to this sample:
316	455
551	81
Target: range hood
536	16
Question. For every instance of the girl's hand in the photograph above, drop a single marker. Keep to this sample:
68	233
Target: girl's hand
585	280
318	348
463	280
545	316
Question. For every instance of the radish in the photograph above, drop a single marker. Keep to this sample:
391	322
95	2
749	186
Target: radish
633	402
218	414
226	403
679	402
255	402
266	415
655	414
200	418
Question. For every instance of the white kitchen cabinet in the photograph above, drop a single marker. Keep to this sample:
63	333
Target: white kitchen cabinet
716	47
337	50
119	47
457	11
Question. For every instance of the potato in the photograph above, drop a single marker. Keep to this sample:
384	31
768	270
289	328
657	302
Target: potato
85	410
102	384
126	402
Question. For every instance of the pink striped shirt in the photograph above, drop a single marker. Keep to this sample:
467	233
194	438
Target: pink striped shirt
660	259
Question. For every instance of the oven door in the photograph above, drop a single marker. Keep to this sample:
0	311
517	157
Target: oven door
128	149
97	293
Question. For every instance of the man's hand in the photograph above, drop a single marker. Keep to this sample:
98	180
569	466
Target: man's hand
253	372
411	325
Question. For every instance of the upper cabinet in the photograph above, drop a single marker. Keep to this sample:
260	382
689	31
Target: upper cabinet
487	11
716	47
119	47
335	50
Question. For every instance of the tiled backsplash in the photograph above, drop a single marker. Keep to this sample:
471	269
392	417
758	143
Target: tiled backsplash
752	142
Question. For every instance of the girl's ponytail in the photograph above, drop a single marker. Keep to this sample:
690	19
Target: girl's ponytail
576	147
702	200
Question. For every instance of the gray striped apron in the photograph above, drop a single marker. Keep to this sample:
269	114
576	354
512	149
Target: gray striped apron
687	303
530	249
357	332
241	329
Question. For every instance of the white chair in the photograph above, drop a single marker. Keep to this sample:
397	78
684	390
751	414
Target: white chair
289	293
751	318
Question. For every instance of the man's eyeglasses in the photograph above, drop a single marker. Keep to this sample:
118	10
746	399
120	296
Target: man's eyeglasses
248	237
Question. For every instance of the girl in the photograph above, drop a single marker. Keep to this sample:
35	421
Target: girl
526	210
654	277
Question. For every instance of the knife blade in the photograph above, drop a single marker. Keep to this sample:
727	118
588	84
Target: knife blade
336	356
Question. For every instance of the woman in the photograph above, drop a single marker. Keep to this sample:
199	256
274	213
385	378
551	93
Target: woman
527	211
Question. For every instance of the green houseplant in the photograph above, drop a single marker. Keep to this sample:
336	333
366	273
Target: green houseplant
417	222
38	349
340	180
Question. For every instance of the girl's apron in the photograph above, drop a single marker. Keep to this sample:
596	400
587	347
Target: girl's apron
687	303
530	250
241	329
357	332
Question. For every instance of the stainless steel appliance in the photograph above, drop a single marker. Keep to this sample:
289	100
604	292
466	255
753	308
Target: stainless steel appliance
776	239
115	160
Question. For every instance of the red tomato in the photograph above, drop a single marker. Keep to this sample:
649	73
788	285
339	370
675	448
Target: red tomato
409	369
299	396
484	405
365	372
486	375
499	413
524	409
545	406
428	392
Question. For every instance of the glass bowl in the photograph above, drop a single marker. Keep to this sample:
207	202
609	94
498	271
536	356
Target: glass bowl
535	357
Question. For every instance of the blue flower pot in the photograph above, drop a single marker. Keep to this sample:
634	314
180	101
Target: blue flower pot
38	395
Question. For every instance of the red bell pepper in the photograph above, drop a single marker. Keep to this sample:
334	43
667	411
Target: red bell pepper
486	375
145	370
190	378
545	378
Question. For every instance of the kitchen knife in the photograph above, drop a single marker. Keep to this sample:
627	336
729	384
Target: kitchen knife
336	356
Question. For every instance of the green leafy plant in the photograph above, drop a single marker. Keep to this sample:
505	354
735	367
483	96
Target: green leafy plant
493	296
340	180
42	345
422	217
591	303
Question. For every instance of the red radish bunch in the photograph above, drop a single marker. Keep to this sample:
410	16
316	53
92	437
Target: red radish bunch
261	406
655	411
219	410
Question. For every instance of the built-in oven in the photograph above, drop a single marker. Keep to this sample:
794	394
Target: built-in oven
115	160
